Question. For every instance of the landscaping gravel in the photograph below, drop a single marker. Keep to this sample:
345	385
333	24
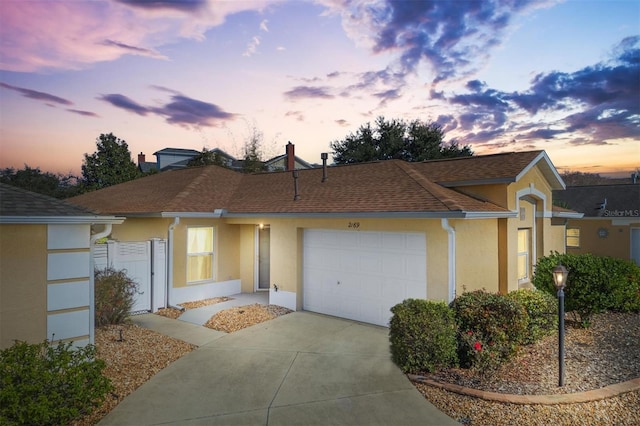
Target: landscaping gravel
606	353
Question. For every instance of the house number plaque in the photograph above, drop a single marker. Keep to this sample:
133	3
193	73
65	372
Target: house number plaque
354	225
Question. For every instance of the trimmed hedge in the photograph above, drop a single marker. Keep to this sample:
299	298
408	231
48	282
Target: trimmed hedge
542	311
423	336
595	284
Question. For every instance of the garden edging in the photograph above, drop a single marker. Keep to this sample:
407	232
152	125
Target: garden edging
569	398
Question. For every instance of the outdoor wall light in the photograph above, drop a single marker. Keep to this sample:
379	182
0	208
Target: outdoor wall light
560	274
261	226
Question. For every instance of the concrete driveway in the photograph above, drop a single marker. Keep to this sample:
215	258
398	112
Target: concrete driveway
298	369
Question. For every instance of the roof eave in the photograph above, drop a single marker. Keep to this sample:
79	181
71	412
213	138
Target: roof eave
380	215
553	177
567	215
68	220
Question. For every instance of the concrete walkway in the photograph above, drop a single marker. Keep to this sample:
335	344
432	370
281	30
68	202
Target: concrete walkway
298	369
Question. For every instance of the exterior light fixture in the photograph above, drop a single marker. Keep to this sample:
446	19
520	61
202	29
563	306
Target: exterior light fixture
261	226
560	274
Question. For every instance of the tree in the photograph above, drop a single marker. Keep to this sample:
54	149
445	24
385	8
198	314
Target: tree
252	153
396	139
206	158
110	165
34	180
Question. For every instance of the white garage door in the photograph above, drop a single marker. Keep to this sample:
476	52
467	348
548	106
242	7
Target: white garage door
361	275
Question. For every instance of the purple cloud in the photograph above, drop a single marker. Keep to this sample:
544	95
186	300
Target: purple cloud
39	96
605	93
179	5
83	113
182	110
186	111
123	102
305	92
444	34
133	49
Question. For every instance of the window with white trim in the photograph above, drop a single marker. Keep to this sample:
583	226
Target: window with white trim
199	254
524	258
573	237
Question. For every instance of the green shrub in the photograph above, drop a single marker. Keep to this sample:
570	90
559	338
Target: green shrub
542	311
595	284
114	296
45	384
423	336
491	326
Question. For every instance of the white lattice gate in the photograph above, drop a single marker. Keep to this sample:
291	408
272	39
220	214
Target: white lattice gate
144	262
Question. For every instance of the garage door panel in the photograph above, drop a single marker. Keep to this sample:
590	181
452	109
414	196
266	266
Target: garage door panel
370	263
415	267
370	239
376	270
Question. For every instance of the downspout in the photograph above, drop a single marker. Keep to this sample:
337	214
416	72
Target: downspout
451	252
175	223
104	233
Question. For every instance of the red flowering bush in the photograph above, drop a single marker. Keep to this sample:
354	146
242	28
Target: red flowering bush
479	353
491	326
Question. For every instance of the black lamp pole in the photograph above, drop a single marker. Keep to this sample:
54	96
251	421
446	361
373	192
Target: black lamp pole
560	279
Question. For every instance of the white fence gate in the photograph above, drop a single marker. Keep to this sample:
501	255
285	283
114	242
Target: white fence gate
144	262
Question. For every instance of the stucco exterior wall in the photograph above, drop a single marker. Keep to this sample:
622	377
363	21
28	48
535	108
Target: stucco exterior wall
23	283
476	255
617	243
141	229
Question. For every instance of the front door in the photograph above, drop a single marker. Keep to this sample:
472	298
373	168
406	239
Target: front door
263	258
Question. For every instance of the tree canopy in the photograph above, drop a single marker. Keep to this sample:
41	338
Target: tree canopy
205	158
111	164
415	140
47	183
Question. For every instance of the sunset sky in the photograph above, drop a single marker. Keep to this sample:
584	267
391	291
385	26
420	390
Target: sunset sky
499	75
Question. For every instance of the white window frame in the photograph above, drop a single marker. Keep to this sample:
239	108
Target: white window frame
201	254
527	257
574	237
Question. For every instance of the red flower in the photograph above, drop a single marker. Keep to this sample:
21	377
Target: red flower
469	332
477	346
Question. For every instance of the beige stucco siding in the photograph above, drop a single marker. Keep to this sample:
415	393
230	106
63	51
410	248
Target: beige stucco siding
141	229
247	257
476	255
23	283
617	242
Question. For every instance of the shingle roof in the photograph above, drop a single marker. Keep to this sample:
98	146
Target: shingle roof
197	189
593	200
377	187
385	186
495	168
18	202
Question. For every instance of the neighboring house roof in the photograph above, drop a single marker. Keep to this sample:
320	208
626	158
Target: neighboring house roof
487	169
177	151
602	200
147	166
18	205
272	163
375	188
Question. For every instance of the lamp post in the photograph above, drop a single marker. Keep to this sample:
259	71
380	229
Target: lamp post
560	279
